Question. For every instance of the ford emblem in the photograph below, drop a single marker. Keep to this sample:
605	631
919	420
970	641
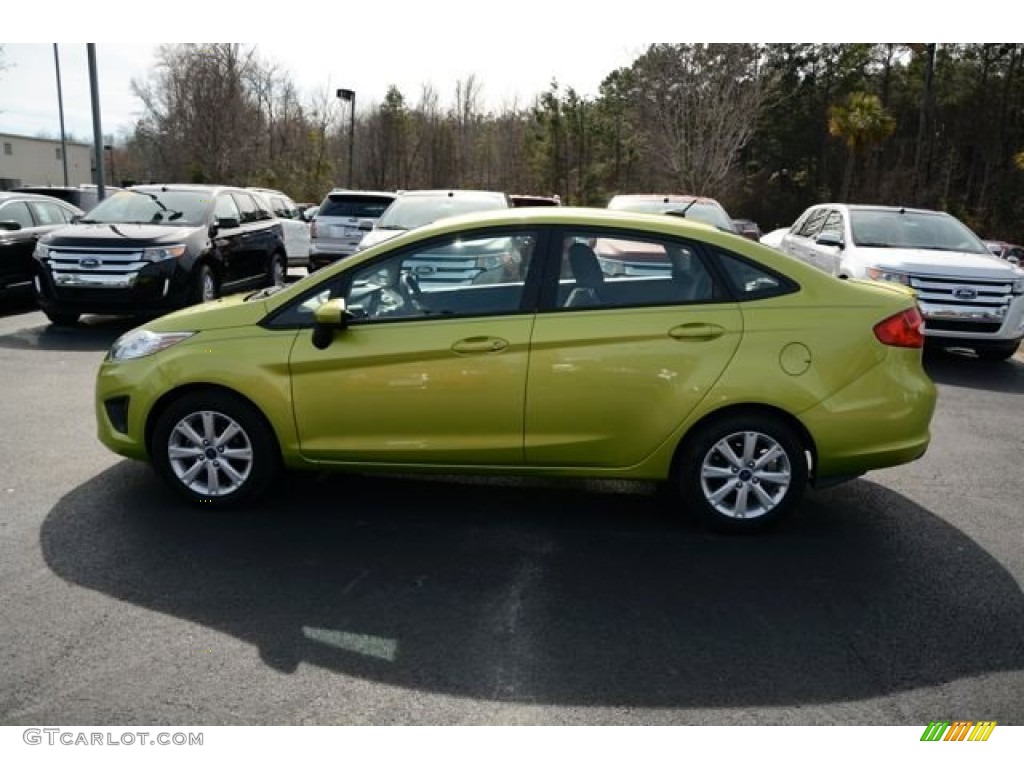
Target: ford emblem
967	294
88	263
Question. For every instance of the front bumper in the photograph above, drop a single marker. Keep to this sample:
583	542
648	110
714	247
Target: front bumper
155	288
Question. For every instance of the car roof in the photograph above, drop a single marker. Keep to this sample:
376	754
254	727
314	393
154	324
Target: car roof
341	191
663	198
871	207
5	196
482	193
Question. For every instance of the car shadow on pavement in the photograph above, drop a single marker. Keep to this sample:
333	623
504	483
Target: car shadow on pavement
92	333
562	594
962	369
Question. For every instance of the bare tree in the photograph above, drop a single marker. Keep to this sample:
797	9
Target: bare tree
699	105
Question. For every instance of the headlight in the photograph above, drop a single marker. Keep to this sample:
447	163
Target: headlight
880	273
140	343
1018	285
42	251
160	254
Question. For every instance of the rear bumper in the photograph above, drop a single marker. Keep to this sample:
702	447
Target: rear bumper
880	420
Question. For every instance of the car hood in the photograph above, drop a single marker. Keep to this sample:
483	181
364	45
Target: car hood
375	236
938	263
115	235
229	312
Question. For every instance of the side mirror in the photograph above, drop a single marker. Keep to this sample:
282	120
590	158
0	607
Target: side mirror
76	218
228	222
365	225
829	238
10	226
329	317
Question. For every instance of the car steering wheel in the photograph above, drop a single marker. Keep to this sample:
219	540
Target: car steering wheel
409	287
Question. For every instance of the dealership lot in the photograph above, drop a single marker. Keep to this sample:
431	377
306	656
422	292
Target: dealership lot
894	599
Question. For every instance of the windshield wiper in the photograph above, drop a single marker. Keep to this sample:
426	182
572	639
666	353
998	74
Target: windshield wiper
263	293
876	245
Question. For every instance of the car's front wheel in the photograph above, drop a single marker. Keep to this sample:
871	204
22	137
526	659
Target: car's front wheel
997	352
744	472
278	270
58	317
214	448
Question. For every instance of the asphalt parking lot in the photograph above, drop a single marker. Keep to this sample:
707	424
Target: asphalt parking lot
894	599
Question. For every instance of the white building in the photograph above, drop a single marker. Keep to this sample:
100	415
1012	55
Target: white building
27	160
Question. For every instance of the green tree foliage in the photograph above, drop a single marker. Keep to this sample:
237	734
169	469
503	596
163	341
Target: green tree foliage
862	123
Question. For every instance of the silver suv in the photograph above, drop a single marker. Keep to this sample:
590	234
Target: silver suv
968	296
344	217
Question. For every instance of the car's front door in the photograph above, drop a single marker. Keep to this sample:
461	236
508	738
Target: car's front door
421	374
635	336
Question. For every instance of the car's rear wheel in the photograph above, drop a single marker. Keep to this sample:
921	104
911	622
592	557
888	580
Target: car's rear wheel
744	472
214	448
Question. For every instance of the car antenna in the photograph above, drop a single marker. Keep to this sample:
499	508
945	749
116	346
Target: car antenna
681	212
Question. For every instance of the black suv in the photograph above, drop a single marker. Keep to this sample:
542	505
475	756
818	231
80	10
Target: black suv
149	249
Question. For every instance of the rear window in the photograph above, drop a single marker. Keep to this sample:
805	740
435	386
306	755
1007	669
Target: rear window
354	206
415	211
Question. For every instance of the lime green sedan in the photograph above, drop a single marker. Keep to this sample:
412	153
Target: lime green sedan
544	342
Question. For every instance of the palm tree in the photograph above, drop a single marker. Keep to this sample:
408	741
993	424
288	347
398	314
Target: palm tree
862	122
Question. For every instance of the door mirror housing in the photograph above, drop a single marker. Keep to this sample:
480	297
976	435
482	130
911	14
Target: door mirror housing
329	317
365	225
228	222
829	238
9	226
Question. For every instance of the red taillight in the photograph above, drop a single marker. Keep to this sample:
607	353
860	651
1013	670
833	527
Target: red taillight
902	330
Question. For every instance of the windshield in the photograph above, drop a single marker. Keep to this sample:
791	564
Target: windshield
700	210
911	229
176	207
412	212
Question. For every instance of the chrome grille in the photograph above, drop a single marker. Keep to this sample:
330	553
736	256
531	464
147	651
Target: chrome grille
99	267
967	304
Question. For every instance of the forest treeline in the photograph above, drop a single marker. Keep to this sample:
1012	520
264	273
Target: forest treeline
766	129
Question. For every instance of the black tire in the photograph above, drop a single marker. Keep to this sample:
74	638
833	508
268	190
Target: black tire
997	353
754	497
58	317
277	262
205	286
256	459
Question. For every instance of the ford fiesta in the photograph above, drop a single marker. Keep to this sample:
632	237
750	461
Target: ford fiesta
708	363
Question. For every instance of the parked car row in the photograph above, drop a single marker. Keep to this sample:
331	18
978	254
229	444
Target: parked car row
153	248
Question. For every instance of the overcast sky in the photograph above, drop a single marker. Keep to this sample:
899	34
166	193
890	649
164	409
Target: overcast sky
28	90
514	47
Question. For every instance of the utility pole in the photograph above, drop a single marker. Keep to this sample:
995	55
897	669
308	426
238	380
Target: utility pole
97	130
60	110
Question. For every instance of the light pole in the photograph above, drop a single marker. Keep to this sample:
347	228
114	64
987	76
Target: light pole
350	96
60	109
113	176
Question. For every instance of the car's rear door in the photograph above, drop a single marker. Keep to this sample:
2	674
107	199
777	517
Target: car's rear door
16	245
620	359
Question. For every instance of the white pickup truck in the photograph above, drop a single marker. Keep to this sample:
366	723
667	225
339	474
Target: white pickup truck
968	296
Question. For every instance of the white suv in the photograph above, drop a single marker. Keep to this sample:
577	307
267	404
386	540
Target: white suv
968	296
